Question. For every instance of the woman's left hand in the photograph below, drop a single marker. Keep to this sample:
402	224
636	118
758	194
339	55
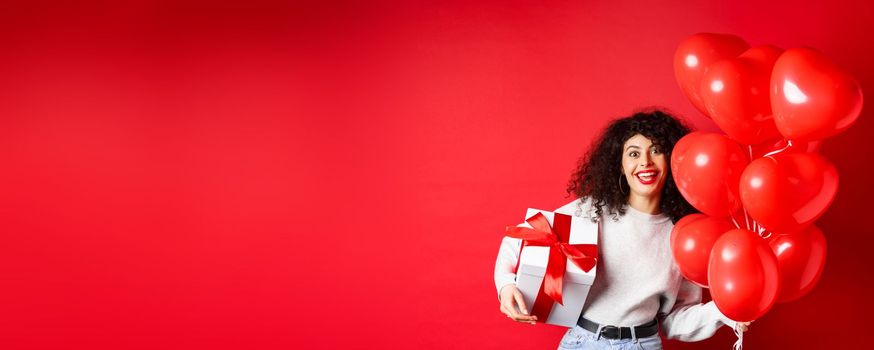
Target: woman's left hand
743	326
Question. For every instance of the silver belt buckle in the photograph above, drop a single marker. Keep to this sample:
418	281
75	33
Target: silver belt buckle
618	329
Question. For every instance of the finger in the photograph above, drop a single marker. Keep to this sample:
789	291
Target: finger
511	311
518	317
506	311
523	318
521	301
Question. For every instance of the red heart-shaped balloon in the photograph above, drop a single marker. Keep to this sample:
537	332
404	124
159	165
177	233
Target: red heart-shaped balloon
695	54
800	258
706	168
812	98
735	92
787	192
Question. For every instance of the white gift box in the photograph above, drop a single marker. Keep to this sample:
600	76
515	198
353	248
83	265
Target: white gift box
576	284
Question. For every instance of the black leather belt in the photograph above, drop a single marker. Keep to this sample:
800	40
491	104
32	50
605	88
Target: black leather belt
612	332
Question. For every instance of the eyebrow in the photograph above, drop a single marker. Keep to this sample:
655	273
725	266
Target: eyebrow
638	147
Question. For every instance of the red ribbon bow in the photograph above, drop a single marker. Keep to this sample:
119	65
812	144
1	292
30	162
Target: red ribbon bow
585	256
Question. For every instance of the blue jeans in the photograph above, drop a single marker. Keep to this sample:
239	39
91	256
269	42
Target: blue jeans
579	338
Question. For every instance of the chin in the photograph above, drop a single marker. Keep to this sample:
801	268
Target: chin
649	192
645	194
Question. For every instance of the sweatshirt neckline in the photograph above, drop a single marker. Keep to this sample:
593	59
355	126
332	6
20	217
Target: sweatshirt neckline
641	216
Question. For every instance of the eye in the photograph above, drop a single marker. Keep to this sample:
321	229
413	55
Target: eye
633	154
656	150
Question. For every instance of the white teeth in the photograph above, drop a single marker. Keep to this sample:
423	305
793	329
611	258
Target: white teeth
646	176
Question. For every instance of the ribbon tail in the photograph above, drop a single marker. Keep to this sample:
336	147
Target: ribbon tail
554	277
585	256
542	305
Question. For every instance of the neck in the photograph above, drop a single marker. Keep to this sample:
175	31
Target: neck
645	204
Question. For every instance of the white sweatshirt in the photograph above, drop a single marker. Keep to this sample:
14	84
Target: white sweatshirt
637	278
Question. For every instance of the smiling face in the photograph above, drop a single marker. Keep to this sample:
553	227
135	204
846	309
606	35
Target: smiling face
644	166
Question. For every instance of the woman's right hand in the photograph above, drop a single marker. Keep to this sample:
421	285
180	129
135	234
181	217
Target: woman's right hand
511	298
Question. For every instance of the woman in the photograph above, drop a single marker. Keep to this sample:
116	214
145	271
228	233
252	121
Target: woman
625	178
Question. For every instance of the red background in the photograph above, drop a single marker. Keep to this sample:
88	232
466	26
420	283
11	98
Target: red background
268	175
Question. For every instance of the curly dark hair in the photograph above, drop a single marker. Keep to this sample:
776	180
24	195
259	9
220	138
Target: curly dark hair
596	174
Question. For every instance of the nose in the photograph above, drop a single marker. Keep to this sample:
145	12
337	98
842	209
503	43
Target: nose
646	159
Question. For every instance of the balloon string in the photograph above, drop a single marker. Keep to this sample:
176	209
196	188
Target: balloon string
739	344
746	216
788	145
751	223
734	221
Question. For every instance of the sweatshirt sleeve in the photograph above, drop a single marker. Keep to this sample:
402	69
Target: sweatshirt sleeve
508	255
689	320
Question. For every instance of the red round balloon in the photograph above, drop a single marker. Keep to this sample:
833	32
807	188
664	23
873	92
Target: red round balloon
800	258
787	192
692	242
696	53
743	274
735	93
707	168
811	97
